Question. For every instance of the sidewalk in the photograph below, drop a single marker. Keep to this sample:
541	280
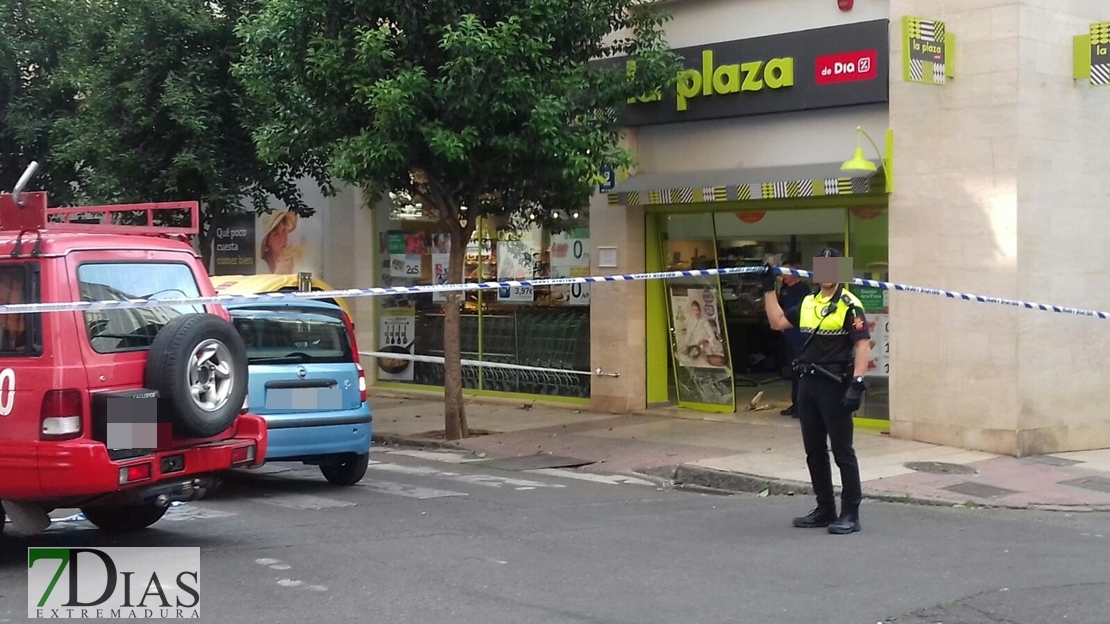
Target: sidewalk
748	451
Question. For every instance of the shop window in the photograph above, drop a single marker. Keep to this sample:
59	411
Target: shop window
544	328
869	248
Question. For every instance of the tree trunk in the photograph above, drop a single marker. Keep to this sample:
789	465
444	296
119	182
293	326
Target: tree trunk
454	411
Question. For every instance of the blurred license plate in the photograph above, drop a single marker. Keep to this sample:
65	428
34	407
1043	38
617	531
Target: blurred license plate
304	399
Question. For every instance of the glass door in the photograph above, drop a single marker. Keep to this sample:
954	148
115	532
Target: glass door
700	362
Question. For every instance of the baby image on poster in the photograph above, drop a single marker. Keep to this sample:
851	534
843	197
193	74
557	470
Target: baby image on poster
279	251
697	328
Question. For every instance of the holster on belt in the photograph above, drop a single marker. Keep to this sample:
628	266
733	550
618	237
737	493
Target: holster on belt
837	373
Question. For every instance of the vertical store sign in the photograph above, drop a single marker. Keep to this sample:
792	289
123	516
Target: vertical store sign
610	180
1100	54
927	49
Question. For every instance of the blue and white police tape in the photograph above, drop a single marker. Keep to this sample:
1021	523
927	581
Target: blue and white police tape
1043	307
22	308
479	363
85	306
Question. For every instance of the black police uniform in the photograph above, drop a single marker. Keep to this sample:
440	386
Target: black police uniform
827	398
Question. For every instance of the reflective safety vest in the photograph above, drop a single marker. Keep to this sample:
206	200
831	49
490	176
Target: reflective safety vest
813	316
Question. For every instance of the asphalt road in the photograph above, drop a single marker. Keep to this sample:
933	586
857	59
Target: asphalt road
427	541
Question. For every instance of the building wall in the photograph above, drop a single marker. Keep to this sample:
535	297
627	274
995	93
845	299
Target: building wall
1063	193
995	193
349	246
766	140
710	21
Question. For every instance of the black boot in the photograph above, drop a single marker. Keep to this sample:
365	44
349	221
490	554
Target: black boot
848	522
818	518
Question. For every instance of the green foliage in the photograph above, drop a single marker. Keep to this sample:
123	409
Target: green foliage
160	115
35	35
479	107
494	105
134	101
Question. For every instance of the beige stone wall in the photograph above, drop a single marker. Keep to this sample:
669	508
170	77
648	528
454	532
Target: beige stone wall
1063	197
994	194
617	310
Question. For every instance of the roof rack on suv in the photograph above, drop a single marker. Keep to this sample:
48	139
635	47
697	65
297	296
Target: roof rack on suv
27	211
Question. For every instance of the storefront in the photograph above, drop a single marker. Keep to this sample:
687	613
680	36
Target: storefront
546	329
709	345
696	218
995	188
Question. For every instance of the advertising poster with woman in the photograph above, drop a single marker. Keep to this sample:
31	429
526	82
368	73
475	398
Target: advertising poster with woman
288	244
698	328
705	374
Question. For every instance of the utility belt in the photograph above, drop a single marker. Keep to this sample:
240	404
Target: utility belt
838	372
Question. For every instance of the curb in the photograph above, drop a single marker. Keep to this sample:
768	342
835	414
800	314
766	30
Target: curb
711	478
714	481
394	439
701	478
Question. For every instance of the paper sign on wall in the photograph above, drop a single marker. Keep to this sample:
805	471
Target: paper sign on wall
405	265
396	334
879	326
439	274
570	257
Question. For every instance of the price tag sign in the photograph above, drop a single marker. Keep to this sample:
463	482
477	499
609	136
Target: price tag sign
515	294
570	294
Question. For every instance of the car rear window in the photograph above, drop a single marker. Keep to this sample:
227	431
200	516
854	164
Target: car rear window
293	335
132	329
18	332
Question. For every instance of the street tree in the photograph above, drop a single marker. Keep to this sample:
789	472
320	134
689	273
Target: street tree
477	107
35	38
158	115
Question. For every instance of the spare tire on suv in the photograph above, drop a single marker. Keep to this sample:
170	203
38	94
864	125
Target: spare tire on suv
198	365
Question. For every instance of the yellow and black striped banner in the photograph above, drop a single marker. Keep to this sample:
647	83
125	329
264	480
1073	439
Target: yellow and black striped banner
787	189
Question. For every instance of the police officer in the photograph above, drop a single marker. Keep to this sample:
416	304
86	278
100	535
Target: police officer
831	366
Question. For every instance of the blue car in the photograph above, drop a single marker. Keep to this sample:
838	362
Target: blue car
306	381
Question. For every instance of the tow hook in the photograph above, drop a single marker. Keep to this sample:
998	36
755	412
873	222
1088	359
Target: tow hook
181	492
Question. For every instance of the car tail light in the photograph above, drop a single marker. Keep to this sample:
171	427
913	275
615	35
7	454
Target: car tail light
354	349
135	473
351	337
242	455
61	415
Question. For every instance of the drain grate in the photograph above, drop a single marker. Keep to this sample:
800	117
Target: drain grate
1049	460
978	490
533	462
1098	484
940	468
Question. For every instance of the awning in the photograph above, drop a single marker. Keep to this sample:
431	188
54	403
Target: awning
729	185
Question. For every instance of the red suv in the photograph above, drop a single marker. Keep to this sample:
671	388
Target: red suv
118	412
